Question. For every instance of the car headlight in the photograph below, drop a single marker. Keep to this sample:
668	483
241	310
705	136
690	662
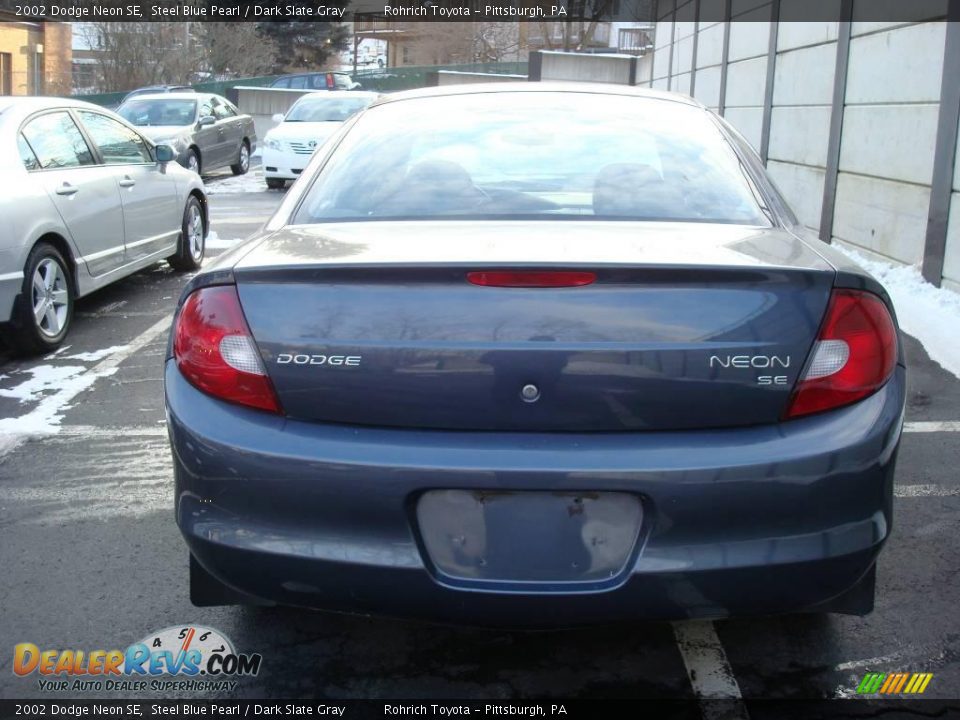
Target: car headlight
272	143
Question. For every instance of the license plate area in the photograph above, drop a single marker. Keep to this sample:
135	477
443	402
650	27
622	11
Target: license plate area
478	536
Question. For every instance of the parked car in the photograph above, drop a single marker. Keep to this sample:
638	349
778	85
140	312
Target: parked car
86	200
317	81
308	123
207	131
535	355
155	89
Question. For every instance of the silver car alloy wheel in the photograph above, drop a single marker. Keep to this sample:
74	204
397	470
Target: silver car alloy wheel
51	297
244	157
195	231
193	164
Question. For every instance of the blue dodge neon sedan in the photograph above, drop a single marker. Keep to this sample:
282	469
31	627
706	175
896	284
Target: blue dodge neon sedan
535	355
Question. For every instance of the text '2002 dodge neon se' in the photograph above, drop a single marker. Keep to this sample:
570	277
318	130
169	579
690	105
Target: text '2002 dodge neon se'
535	356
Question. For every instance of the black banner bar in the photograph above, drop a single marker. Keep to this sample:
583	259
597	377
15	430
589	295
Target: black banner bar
688	709
380	13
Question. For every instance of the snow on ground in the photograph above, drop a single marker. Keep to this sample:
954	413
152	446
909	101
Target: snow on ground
42	378
215	242
251	182
928	313
52	388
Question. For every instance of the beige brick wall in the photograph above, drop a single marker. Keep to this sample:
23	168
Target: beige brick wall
58	38
19	42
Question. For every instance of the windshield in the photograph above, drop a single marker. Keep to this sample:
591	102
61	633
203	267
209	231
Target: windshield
159	112
326	109
549	155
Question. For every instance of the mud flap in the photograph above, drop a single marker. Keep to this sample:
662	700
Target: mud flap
207	591
859	599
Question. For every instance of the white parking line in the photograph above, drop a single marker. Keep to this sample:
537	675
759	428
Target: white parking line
881	661
709	670
931	427
907	491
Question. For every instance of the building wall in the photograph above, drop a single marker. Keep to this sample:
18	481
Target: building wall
21	42
58	52
890	115
17	41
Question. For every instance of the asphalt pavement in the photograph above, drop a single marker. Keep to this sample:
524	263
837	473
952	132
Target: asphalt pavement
91	556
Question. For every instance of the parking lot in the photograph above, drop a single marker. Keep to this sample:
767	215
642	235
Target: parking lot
92	557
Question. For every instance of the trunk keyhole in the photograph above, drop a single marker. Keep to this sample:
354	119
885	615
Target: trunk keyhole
530	393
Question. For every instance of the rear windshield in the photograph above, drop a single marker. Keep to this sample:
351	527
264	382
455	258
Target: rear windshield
533	155
159	112
326	110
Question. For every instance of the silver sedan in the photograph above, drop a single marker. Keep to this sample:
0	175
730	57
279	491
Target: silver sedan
86	200
207	131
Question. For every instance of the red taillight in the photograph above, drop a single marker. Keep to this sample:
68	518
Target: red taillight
525	279
853	357
215	351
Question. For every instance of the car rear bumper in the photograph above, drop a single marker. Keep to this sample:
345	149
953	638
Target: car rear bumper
756	520
282	164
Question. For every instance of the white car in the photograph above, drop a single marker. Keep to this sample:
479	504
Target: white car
311	120
85	199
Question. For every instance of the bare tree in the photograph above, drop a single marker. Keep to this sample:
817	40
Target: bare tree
236	49
576	31
443	43
134	54
496	41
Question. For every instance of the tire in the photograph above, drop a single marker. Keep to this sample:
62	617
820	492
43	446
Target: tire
47	289
276	183
243	160
193	161
192	245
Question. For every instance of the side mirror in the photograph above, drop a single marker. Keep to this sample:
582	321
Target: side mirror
278	118
165	154
206	121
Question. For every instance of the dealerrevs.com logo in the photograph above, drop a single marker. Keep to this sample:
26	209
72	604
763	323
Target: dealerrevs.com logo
185	657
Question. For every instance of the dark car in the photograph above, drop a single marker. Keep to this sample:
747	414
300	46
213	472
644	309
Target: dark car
207	131
535	355
317	81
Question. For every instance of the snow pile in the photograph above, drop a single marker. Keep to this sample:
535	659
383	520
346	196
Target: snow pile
250	183
928	313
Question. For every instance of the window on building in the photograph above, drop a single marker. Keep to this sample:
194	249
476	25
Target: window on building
6	74
37	71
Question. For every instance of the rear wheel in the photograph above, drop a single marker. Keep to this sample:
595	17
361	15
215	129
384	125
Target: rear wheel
243	160
192	245
276	183
42	315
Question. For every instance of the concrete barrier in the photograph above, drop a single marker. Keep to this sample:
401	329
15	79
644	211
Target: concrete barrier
263	103
590	67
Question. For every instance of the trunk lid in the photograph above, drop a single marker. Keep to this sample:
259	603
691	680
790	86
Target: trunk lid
685	326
